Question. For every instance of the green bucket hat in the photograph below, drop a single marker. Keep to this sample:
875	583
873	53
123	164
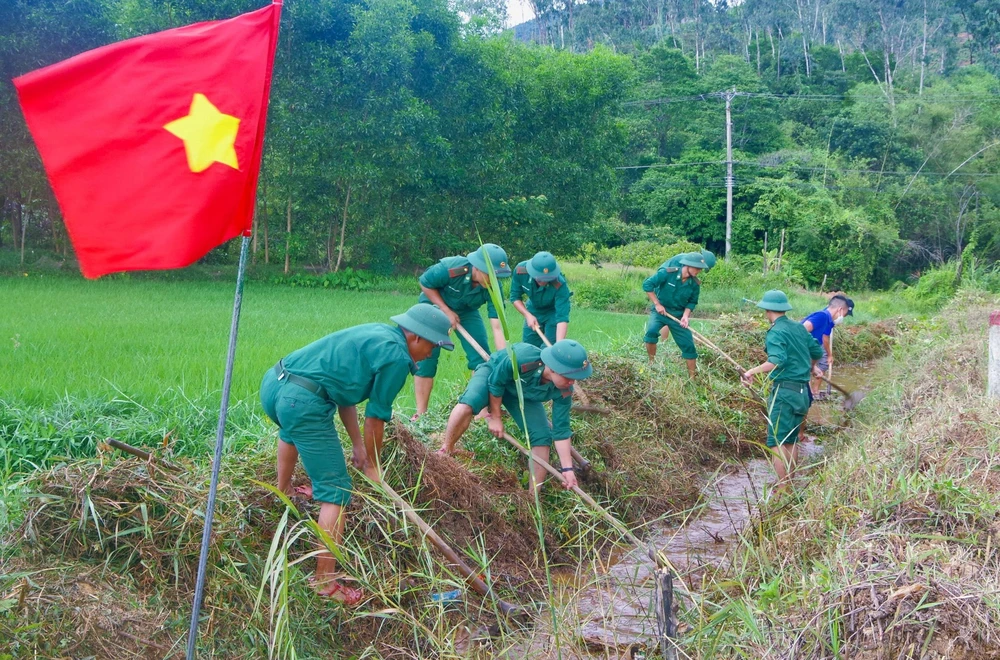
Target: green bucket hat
709	258
567	358
694	260
774	301
427	321
496	255
543	267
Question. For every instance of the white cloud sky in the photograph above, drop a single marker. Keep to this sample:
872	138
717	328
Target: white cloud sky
518	11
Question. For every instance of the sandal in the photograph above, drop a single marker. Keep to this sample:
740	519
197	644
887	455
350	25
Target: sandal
339	592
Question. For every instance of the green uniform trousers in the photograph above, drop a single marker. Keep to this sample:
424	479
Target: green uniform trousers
473	323
547	324
787	405
477	397
682	336
306	421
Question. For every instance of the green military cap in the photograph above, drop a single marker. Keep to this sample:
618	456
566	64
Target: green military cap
694	260
709	258
567	358
774	301
496	255
428	322
543	267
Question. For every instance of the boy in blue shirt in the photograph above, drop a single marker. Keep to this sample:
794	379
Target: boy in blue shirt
820	325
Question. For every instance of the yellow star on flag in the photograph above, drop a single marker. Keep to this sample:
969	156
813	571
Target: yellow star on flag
208	135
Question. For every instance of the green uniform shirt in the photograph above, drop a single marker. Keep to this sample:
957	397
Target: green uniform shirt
368	361
529	360
673	292
552	298
791	349
452	277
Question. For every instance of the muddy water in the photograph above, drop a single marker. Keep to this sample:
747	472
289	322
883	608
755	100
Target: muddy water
615	609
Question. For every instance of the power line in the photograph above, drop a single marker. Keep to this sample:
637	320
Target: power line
927	97
804	168
674	99
642	167
834	170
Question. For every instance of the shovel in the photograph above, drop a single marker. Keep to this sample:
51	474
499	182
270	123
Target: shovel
851	399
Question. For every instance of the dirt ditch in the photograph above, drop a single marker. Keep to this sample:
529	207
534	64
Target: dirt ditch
614	608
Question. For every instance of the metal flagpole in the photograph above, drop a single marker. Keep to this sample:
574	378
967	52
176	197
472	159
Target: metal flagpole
227	381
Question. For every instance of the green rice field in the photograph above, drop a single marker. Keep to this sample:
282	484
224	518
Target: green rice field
137	339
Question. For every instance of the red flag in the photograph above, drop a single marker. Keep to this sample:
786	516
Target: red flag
153	145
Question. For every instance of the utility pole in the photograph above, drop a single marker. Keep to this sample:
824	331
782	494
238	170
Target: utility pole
729	169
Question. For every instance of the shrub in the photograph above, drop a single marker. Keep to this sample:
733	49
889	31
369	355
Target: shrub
600	293
350	280
646	254
934	288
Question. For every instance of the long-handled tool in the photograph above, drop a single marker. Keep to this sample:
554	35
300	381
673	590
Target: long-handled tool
657	557
700	337
471	577
144	455
585	465
851	399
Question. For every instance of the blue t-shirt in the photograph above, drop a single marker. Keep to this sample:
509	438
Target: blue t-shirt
822	322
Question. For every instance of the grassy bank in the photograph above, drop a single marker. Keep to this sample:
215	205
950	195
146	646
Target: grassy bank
890	550
113	542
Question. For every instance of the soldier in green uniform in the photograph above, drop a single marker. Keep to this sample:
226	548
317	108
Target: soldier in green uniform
792	355
334	374
540	279
674	291
547	374
459	286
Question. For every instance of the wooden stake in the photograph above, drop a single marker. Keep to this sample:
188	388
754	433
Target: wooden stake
781	251
765	254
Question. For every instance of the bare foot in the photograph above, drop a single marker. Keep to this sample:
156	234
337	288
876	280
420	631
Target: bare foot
415	417
483	414
445	451
304	491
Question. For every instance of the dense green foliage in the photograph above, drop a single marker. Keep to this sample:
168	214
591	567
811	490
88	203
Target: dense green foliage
866	133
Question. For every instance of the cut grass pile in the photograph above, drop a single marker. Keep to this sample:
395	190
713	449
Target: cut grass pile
891	550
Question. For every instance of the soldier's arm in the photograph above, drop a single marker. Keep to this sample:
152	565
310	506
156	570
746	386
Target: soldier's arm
649	286
654	280
562	434
523	310
562	311
349	417
374	434
776	355
516	289
693	302
435	278
389	380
